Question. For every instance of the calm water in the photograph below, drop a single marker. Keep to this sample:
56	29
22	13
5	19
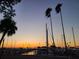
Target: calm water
29	53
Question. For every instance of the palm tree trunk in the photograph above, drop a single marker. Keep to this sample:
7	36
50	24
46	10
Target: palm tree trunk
2	37
63	30
52	32
3	43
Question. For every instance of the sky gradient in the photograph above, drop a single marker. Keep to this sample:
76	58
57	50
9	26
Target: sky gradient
31	19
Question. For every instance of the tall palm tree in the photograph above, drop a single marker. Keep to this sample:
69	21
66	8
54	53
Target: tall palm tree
58	10
7	27
48	14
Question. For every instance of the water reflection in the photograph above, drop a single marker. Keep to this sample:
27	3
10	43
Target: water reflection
29	53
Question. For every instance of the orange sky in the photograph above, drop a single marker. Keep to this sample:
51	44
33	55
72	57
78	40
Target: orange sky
11	42
31	44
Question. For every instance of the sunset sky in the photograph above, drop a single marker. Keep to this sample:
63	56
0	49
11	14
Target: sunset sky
31	19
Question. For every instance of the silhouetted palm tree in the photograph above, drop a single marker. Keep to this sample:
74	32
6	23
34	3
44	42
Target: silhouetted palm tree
58	10
7	26
48	11
48	14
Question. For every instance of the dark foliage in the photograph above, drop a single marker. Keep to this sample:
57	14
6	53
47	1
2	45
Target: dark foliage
7	26
47	13
6	7
58	8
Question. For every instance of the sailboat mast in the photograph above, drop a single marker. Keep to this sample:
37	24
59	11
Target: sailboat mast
73	37
46	36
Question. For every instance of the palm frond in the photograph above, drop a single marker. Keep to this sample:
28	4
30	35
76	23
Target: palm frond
7	24
58	8
47	13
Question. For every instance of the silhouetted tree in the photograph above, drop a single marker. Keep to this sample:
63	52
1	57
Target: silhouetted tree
48	14
7	26
7	6
58	10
